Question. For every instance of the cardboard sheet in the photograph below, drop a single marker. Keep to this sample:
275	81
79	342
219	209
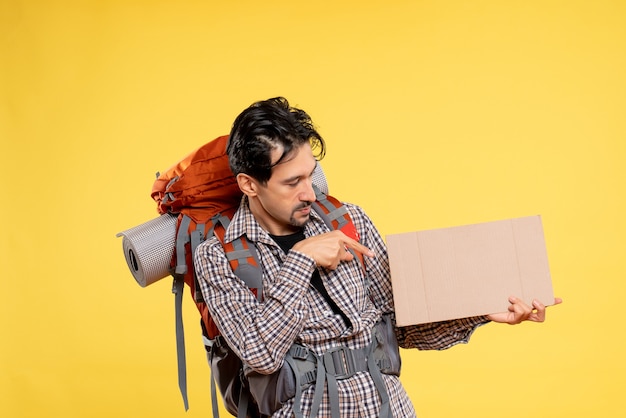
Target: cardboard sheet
469	270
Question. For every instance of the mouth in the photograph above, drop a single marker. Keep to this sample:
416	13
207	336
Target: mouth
301	215
304	210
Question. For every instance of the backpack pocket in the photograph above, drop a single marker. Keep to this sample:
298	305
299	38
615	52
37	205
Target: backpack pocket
225	370
386	351
271	391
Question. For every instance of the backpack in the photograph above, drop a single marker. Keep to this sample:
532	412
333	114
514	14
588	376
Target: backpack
201	193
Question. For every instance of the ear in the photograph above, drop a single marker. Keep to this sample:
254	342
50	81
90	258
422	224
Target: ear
247	184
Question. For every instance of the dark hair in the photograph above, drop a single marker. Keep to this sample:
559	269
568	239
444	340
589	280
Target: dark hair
263	127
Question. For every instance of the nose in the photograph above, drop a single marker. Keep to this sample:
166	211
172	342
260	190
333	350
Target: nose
308	193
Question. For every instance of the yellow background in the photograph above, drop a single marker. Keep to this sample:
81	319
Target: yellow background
436	113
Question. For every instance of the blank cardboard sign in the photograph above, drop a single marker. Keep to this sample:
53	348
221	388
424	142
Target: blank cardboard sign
468	270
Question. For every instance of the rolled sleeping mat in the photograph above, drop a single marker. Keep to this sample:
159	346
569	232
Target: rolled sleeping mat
319	179
149	247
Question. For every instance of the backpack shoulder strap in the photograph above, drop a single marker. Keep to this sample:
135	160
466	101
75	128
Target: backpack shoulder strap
242	255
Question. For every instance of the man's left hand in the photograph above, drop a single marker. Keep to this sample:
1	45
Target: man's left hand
519	311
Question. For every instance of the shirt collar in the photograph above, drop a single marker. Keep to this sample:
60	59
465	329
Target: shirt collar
244	223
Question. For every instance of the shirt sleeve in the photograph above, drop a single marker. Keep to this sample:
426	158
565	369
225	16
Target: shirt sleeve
260	333
439	335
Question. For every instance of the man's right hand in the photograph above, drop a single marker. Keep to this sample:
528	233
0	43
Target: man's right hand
331	248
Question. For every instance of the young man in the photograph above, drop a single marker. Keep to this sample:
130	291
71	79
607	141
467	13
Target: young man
316	293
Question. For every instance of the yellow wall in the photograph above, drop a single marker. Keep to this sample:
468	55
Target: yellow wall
435	113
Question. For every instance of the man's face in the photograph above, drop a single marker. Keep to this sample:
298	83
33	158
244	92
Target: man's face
283	205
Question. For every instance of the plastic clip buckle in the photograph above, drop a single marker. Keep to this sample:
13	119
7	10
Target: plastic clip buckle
339	363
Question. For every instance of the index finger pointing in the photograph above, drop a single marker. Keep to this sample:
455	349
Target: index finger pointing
357	246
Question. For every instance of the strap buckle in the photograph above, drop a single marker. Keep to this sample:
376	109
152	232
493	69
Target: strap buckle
299	352
339	362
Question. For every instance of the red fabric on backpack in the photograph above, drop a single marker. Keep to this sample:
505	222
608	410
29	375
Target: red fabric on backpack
200	185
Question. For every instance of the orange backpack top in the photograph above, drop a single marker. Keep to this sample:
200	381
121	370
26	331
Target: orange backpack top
200	185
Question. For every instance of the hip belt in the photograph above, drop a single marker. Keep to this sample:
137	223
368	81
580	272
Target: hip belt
304	368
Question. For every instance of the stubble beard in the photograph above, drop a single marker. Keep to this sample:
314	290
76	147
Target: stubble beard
299	223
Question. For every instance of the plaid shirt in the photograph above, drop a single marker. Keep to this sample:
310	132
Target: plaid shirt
261	333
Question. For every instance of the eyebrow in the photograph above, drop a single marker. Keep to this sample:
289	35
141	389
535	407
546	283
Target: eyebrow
294	178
